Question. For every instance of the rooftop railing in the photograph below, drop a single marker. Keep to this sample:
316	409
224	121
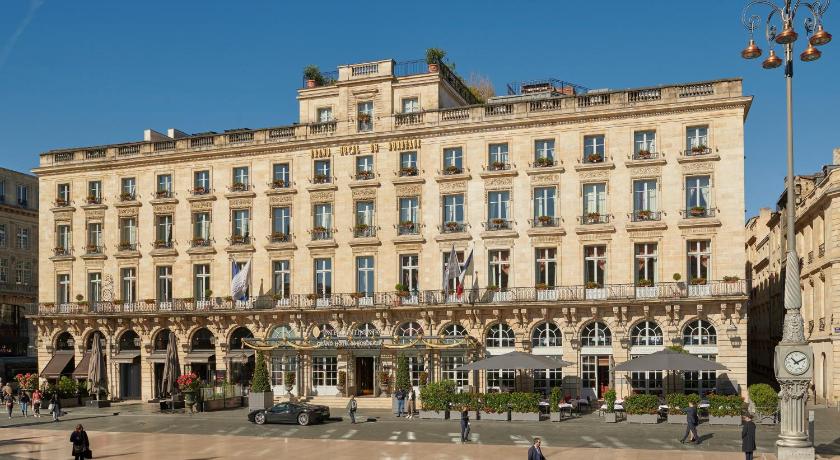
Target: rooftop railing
544	295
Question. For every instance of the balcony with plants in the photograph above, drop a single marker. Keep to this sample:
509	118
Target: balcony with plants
408	227
453	227
594	218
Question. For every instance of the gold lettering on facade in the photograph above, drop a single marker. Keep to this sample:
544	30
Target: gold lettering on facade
405	144
323	152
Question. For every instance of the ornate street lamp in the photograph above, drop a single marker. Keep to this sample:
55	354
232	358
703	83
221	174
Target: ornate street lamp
793	355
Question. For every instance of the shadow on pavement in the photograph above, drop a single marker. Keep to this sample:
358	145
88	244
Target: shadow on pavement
832	448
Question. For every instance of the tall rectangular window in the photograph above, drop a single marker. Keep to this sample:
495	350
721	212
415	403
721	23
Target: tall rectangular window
23	272
62	196
201	182
498	206
128	233
448	364
325	114
595	200
3	236
22	195
644	195
63	241
410	105
281	222
281	175
241	178
546	379
364	167
409	215
322	172
22	238
364	219
546	267
646	260
62	293
94	293
201	226
408	164
323	216
364	275
128	188
498	156
242	224
593	148
164	186
164	228
697	193
499	268
453	160
164	284
410	272
94	195
544	201
282	279
323	277
4	270
594	265
699	260
94	237
201	282
453	209
544	152
128	283
644	143
364	115
324	371
696	139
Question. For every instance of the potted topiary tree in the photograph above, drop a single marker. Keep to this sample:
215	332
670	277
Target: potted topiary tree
341	383
677	403
261	396
642	408
289	382
554	400
524	407
725	410
384	383
435	398
764	403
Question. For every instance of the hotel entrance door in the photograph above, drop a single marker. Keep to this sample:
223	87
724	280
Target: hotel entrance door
364	375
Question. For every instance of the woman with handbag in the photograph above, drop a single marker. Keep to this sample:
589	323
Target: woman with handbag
81	444
36	403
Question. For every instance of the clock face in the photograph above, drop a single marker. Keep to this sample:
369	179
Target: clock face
796	362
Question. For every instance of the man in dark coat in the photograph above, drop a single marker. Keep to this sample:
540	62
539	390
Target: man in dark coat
691	424
400	395
535	453
748	437
465	424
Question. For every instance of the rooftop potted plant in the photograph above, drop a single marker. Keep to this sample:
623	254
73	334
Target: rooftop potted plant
261	396
434	57
312	75
642	408
725	410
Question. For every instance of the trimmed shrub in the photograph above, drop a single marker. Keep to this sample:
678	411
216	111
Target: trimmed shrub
495	403
469	401
556	398
437	395
260	384
524	402
66	387
609	398
677	402
403	378
641	404
722	406
765	399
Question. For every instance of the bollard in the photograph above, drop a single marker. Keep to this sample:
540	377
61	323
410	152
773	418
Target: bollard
811	426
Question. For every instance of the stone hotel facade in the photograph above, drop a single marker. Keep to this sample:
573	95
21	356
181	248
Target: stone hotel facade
602	225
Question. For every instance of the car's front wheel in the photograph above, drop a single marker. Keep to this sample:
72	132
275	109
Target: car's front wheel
303	419
259	419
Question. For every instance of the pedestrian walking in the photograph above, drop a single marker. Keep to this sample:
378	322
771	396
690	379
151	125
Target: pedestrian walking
691	424
9	402
465	424
55	406
535	452
24	401
748	436
412	402
351	409
81	444
400	395
36	403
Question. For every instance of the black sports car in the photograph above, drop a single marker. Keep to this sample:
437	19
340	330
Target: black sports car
289	412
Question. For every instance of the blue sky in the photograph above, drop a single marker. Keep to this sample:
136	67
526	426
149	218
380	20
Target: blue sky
98	72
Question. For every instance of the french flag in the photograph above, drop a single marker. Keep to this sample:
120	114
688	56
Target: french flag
460	288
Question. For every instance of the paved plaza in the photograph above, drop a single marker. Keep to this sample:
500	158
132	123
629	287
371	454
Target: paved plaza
137	432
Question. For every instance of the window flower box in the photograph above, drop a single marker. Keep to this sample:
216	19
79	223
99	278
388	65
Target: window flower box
125	196
238	187
408	171
697	211
279	237
644	214
364	175
644	154
543	162
451	169
595	158
125	246
199	191
92	199
60	203
699	149
498	166
277	183
163	194
320	179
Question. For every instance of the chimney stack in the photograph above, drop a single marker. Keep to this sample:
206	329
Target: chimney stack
837	155
150	135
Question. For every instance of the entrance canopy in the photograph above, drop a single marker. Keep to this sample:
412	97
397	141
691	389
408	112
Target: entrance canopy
57	363
515	360
669	360
199	356
81	371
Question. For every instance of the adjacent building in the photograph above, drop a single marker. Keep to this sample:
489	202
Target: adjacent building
18	271
817	242
593	226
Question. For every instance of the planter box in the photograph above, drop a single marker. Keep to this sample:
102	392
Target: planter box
220	404
434	414
643	418
766	419
610	417
525	416
555	417
260	401
98	404
68	402
503	417
677	419
725	420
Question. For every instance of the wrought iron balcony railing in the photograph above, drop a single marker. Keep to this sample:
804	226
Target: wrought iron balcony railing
645	155
592	218
453	227
543	162
498	224
364	231
545	221
697	150
697	212
541	294
408	228
321	233
645	215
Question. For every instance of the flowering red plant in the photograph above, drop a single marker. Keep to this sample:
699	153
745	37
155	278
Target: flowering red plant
188	382
27	381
